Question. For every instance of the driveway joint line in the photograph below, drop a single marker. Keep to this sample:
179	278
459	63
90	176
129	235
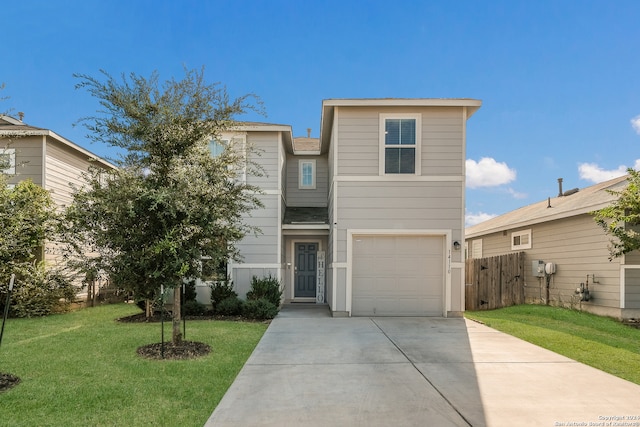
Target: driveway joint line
421	374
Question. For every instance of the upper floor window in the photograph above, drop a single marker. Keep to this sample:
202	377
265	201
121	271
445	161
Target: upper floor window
307	174
216	147
238	144
400	144
521	240
8	161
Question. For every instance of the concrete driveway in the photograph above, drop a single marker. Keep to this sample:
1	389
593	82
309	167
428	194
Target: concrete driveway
310	369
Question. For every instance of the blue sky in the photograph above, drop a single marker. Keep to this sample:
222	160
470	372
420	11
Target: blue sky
559	80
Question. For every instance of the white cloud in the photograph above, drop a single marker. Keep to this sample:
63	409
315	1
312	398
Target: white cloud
635	123
488	173
594	173
476	218
517	194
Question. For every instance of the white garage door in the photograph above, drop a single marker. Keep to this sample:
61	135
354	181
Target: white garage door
398	276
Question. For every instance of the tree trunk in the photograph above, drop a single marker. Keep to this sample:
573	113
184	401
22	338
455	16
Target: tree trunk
176	338
148	308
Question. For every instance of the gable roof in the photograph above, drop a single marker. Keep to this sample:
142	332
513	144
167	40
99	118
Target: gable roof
584	201
269	127
10	126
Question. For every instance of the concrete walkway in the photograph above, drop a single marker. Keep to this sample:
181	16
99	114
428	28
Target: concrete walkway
310	369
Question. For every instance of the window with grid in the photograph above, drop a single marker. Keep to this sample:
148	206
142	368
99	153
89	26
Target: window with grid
307	174
400	144
521	240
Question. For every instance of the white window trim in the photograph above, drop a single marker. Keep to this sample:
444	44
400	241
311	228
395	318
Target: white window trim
418	147
237	141
521	233
301	186
11	170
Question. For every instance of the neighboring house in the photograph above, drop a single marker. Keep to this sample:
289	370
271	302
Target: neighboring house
46	158
369	218
562	231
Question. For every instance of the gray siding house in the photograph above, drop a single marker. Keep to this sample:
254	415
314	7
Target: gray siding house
48	159
365	218
562	231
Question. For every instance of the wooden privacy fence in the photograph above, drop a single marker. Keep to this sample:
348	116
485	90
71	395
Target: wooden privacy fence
494	282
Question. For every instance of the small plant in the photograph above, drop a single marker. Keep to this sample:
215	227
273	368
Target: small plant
266	288
221	290
259	309
193	308
231	306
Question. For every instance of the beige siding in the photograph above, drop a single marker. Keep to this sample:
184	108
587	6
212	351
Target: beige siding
266	146
28	152
307	197
398	205
578	247
632	288
262	248
442	137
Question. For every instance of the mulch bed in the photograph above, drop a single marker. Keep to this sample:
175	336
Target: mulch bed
186	350
136	318
7	381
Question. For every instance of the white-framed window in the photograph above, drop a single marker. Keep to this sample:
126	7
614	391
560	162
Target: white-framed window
216	146
521	240
476	249
400	144
237	142
8	161
307	174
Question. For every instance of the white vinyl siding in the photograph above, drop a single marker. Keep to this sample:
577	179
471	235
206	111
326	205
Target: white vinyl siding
521	240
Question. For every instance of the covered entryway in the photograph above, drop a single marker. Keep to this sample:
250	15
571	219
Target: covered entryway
398	275
306	255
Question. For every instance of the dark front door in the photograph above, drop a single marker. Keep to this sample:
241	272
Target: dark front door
305	270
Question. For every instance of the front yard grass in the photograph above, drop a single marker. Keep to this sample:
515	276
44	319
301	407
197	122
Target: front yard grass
601	342
81	369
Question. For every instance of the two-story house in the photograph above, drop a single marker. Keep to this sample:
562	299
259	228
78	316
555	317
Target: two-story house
46	158
368	219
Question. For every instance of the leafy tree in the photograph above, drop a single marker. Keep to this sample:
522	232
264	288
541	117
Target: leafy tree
27	217
170	204
622	218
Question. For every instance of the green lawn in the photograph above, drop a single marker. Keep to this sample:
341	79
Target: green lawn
81	369
597	341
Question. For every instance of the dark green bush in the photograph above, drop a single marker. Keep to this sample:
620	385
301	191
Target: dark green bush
259	309
220	291
231	306
265	288
193	308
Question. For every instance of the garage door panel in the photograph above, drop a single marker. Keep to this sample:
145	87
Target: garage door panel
398	276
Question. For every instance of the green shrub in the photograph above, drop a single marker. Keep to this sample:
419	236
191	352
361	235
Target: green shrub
220	291
265	288
38	292
193	308
259	309
231	306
